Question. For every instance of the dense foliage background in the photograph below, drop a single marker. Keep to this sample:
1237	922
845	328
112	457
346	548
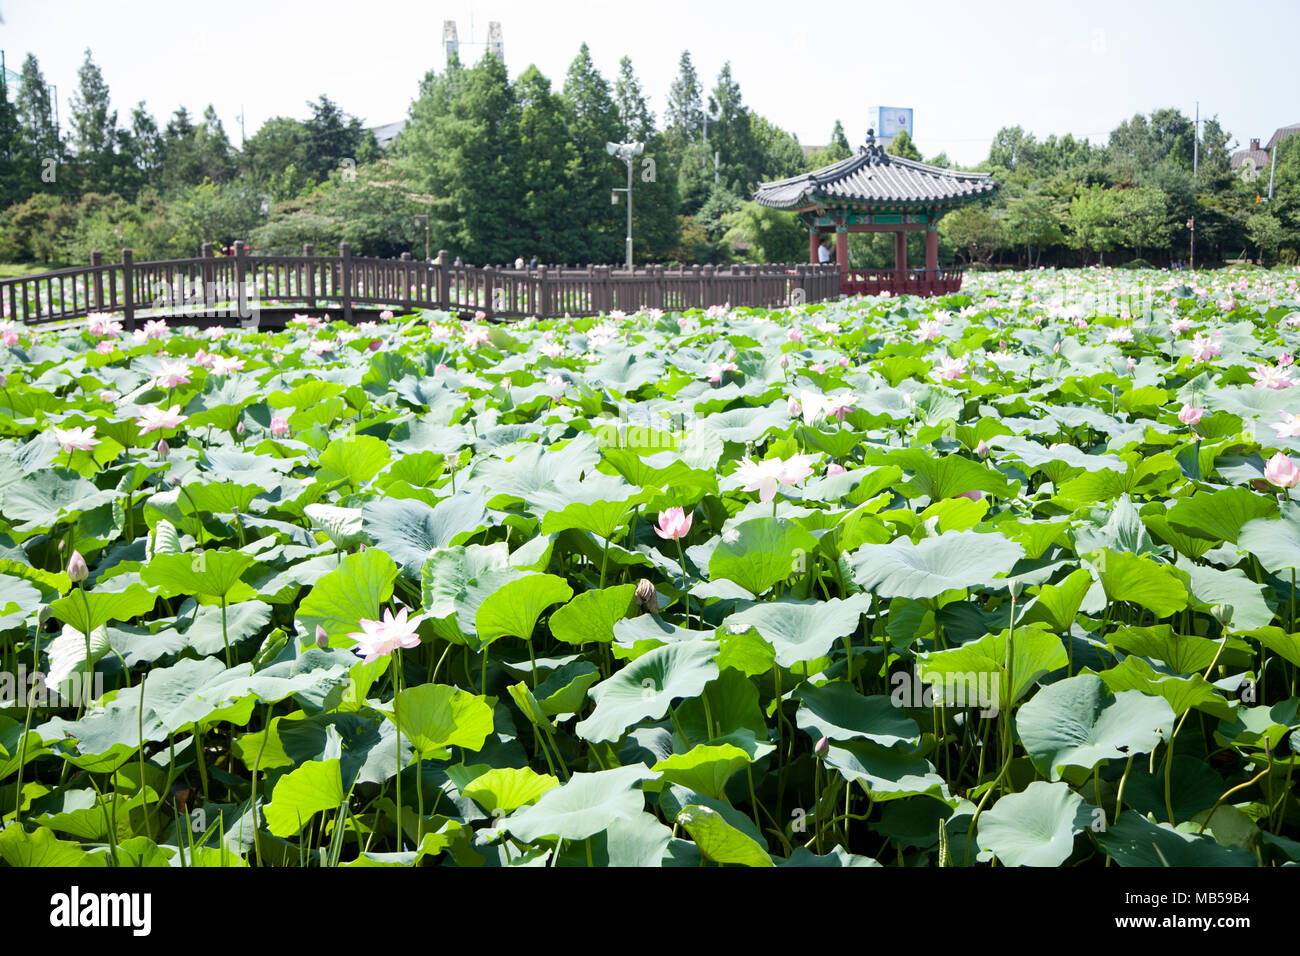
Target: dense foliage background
516	168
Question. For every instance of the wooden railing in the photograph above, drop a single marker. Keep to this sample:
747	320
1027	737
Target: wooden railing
896	282
234	287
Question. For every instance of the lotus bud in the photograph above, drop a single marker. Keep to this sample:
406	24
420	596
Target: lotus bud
239	429
322	639
77	570
1222	613
1015	586
982	449
163	448
823	747
646	596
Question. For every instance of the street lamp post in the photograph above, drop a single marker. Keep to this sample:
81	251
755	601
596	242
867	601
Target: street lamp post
626	152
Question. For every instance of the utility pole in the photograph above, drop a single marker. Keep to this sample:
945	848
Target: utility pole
1191	224
1196	139
1272	170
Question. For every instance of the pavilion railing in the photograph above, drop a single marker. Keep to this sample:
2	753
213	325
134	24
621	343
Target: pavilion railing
210	285
901	282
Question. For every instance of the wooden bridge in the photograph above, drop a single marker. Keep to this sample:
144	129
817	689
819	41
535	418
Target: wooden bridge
228	290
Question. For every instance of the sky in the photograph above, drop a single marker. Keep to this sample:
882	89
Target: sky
966	69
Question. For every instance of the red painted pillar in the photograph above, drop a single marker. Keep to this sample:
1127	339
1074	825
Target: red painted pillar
814	240
900	260
842	251
932	255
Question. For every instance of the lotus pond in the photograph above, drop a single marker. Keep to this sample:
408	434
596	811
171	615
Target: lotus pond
995	579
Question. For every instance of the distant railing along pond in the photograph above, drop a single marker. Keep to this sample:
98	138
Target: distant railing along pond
210	286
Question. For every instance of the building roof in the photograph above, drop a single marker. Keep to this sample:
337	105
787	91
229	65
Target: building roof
1283	132
1256	157
388	132
873	176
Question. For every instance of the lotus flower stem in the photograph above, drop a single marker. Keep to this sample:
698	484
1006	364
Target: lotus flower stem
686	597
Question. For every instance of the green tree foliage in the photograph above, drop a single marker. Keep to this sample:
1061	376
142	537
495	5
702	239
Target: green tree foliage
770	235
99	168
902	145
685	120
1091	221
973	233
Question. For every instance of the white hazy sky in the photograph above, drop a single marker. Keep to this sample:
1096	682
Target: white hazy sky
966	68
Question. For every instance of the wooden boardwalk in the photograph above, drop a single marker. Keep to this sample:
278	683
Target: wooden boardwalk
210	288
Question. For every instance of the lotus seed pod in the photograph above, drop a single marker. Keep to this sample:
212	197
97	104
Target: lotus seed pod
646	596
77	570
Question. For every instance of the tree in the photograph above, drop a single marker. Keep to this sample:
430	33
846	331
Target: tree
41	148
685	114
902	146
1265	231
595	228
276	156
782	156
974	232
1143	219
333	139
94	131
12	186
146	145
546	158
636	122
837	149
772	235
731	135
1012	148
1091	221
1033	222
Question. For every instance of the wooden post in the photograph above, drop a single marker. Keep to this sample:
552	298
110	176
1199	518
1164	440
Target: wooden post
97	300
489	283
900	256
345	283
309	251
206	278
240	278
128	297
706	287
842	251
932	253
543	294
404	270
442	298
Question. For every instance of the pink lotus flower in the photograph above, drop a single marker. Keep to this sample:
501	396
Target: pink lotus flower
439	333
280	426
480	315
321	346
105	347
108	395
950	368
386	315
674	524
843	361
101	323
794	335
552	350
1180	325
1119	335
224	365
1228	304
818	367
1270	376
974	495
153	418
767	475
835	469
1281	472
929	330
1289	428
475	336
76	439
378	639
1190	415
204	359
1285	359
1204	348
155	329
173	374
9	337
1130	363
440	368
717	370
1081	323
